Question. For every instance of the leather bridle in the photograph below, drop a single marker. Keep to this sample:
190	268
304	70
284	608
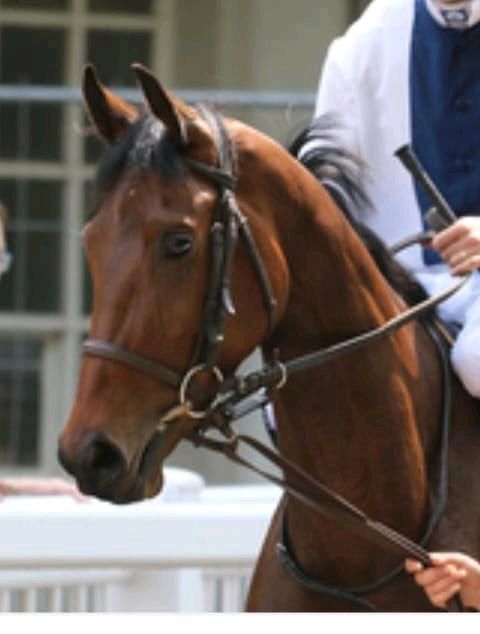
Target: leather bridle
235	395
227	225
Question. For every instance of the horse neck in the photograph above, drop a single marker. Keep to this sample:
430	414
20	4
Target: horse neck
352	423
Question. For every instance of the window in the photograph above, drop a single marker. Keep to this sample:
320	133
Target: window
112	53
45	165
31	56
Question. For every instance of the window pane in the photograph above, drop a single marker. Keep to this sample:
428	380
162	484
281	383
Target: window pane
125	6
113	52
19	402
34	237
31	131
36	4
38	55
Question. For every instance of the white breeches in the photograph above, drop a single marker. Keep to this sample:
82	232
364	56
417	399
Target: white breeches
464	308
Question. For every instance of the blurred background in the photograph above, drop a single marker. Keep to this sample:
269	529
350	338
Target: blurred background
258	59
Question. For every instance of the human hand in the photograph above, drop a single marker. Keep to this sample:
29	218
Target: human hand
39	486
459	245
450	573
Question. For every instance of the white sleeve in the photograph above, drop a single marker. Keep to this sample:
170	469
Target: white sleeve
336	98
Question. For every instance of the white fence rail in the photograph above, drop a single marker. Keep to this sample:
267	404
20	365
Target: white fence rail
190	550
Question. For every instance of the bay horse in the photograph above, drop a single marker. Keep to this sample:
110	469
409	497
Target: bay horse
367	424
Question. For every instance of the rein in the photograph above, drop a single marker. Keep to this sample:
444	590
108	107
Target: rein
236	394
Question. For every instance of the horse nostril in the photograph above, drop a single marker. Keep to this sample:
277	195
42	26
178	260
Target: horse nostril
97	464
101	460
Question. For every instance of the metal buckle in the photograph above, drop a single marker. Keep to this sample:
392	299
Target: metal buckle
185	402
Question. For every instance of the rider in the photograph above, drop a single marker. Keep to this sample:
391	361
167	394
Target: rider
406	73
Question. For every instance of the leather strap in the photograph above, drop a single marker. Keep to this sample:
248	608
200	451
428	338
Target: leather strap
112	352
269	376
440	497
316	495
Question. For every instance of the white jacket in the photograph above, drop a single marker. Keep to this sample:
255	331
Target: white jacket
365	83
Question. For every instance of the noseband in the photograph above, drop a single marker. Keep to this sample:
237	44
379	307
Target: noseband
227	225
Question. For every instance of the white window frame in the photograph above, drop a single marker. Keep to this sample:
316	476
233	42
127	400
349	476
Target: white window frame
60	334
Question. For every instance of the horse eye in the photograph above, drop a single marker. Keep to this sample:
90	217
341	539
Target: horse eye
178	244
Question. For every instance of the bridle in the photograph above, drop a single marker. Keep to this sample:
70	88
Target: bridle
233	395
228	224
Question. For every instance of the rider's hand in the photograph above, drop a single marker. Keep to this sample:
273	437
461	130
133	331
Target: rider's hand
450	573
459	245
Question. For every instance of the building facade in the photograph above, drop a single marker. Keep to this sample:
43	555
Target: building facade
46	163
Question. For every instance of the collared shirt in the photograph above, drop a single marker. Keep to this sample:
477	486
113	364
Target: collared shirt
461	14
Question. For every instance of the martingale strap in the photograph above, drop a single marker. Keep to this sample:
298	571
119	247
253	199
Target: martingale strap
316	495
439	499
332	506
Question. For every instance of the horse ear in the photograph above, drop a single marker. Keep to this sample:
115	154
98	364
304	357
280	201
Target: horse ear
111	115
173	112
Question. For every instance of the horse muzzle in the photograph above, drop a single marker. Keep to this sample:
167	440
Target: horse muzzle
101	469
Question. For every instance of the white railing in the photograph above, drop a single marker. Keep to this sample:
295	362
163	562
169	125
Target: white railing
190	550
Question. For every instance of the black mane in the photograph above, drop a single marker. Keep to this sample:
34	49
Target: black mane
342	174
144	144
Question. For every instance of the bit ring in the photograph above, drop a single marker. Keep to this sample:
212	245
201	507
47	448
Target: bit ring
185	402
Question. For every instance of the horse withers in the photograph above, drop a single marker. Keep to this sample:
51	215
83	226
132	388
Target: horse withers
368	424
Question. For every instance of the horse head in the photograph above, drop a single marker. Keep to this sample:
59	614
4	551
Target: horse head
177	304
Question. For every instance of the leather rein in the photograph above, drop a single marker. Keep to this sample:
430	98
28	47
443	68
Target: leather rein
235	395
